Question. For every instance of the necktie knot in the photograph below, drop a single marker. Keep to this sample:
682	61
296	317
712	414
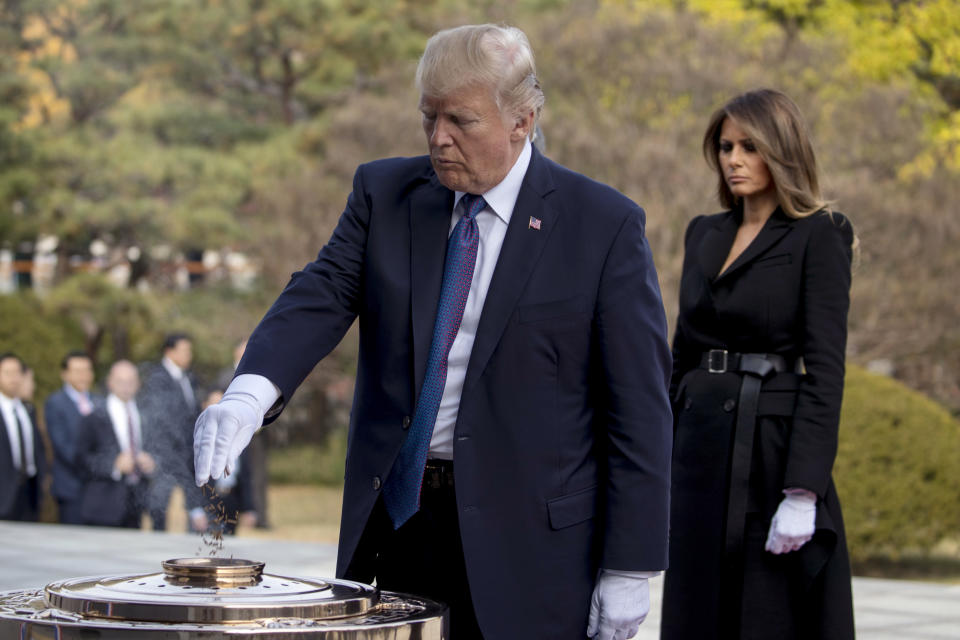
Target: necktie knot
472	205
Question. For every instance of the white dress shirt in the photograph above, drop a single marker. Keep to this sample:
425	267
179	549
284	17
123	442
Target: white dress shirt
13	409
120	412
492	222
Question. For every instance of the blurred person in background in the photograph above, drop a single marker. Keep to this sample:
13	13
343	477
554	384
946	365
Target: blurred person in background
62	413
169	402
757	547
509	442
28	388
22	455
254	457
110	454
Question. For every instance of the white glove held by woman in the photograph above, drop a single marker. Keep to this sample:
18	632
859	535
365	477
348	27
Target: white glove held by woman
792	525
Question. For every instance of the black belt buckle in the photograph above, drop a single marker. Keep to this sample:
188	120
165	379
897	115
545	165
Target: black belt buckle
717	361
438	474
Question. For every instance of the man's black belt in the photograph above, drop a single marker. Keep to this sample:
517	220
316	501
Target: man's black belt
755	368
438	474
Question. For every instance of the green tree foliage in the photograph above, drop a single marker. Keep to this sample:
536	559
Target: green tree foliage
916	43
103	312
169	103
41	339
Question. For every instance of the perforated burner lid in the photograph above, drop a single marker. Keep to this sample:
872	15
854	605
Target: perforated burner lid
210	590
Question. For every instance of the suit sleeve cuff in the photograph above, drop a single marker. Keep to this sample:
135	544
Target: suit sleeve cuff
260	388
646	575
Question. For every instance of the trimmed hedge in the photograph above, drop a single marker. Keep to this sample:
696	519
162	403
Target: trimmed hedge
897	468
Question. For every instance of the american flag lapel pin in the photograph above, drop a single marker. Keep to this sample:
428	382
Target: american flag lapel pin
534	224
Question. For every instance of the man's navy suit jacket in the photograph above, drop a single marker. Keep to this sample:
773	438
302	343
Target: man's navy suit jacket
97	451
63	418
562	442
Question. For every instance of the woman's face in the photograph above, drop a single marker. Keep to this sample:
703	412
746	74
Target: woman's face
744	171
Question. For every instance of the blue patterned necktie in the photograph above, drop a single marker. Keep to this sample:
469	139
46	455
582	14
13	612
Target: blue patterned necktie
401	492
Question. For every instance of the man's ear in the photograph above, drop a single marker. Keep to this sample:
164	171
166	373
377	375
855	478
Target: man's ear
522	128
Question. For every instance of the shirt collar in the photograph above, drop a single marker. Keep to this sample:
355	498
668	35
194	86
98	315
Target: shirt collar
175	372
6	401
503	197
73	394
114	401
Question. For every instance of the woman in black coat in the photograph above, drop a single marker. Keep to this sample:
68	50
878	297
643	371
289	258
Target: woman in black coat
757	547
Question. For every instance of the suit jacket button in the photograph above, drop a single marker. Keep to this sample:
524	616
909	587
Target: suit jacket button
688	403
377	483
407	420
729	404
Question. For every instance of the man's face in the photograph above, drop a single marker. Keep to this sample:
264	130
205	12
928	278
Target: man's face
181	354
78	374
124	381
472	145
11	377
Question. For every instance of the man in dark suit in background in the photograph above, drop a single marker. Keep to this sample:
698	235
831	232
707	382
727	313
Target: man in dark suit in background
62	412
510	435
169	403
22	456
110	455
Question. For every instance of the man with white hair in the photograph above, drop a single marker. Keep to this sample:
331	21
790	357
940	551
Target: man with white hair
510	437
112	456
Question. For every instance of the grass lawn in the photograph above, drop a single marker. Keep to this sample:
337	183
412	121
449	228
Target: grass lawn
305	513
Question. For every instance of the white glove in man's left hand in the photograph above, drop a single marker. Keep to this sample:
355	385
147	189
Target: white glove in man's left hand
620	602
792	525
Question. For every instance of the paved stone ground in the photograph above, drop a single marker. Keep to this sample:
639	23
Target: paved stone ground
31	555
883	610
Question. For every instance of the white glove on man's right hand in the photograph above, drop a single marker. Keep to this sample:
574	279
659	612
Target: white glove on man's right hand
620	603
222	432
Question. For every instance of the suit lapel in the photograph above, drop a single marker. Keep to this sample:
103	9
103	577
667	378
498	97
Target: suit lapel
430	208
716	245
519	254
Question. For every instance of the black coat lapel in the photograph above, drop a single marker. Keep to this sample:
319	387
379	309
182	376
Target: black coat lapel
519	254
776	226
430	208
716	243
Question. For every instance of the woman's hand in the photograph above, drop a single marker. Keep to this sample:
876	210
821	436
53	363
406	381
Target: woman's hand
792	525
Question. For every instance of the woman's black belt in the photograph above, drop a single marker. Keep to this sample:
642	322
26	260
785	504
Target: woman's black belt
762	364
755	367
